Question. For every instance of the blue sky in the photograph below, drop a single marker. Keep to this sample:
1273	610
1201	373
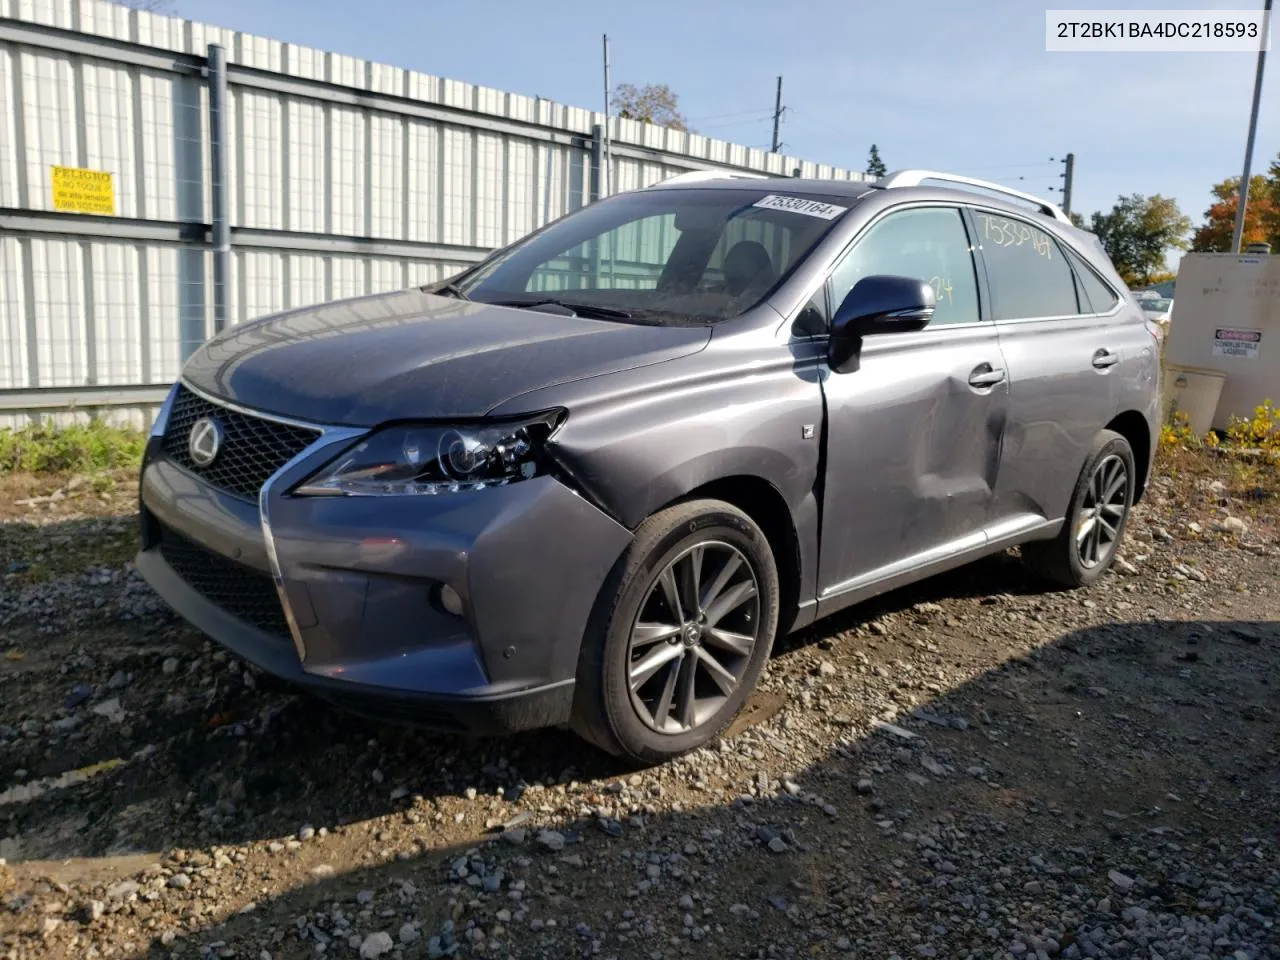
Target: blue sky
960	86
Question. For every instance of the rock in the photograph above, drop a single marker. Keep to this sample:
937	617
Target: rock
94	909
306	833
119	680
1232	525
169	667
51	924
778	845
685	902
111	709
123	890
552	840
1162	535
866	786
409	933
375	945
827	669
1121	881
179	881
78	695
1125	567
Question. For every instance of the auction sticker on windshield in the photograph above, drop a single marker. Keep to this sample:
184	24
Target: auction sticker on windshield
810	208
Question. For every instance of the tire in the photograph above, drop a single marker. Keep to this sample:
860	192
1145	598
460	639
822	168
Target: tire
632	723
1080	556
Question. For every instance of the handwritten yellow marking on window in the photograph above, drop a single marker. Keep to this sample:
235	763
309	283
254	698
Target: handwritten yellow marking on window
942	289
1008	233
83	191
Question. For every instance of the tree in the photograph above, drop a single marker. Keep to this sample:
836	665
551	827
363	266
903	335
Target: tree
1137	232
652	103
875	166
1261	216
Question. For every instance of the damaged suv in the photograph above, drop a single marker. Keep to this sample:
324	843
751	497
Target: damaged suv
589	481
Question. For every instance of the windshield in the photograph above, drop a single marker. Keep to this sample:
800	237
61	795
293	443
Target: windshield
662	256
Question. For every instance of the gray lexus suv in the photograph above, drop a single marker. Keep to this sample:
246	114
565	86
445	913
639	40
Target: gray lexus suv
590	480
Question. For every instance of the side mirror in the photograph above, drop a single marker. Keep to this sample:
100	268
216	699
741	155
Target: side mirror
878	304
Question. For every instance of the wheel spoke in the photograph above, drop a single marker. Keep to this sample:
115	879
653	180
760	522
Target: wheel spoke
1117	485
663	708
1084	530
686	691
1106	529
652	662
671	590
717	585
647	633
738	643
722	677
1113	510
692	579
729	601
1097	542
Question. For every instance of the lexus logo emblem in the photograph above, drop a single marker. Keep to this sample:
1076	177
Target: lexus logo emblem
204	441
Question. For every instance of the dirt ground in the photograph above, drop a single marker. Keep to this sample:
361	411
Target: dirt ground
976	766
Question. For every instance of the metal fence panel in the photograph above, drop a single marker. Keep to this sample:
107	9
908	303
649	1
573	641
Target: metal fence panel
345	177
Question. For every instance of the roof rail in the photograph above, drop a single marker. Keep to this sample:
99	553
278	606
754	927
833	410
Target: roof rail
694	176
913	178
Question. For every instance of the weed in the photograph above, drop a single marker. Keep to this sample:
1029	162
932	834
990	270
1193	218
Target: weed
77	448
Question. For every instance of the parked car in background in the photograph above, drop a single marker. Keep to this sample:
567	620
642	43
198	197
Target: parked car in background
590	481
1157	309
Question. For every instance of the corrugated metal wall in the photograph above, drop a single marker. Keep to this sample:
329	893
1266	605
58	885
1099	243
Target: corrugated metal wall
345	177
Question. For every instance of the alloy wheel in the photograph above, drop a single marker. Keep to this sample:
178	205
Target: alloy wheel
692	638
1102	512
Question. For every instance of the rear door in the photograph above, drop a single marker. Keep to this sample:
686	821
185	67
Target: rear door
1062	358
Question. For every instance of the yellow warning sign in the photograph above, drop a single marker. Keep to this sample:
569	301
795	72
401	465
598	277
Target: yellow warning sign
83	191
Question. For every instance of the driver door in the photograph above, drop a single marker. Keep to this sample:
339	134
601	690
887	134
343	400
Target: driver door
913	435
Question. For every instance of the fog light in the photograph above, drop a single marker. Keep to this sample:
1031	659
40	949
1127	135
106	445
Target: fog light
450	600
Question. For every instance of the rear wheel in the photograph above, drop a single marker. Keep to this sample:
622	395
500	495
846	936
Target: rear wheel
682	629
1086	547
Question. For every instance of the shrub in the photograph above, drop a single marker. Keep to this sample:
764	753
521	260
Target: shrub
76	448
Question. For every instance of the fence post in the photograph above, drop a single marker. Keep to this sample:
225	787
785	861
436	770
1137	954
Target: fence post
221	233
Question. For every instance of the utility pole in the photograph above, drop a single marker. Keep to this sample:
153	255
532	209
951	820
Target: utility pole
1069	161
777	115
1238	235
607	168
1066	183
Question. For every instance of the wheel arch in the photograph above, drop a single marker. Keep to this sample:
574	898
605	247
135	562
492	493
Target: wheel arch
763	503
1133	426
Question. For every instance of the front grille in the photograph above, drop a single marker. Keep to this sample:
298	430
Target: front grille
241	591
252	448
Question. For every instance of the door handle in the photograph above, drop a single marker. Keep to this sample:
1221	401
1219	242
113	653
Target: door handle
1105	358
985	375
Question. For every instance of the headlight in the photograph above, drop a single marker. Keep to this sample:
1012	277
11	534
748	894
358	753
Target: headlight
427	459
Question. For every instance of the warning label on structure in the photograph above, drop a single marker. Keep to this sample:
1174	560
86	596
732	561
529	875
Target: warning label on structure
1236	343
83	191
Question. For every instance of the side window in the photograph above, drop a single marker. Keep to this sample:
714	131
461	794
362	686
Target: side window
1029	275
1098	297
929	244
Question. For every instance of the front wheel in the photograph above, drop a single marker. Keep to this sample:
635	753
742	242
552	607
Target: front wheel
1086	547
680	634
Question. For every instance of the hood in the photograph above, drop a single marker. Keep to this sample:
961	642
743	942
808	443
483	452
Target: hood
411	354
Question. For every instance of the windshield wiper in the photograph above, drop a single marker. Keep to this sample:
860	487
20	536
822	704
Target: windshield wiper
448	290
583	309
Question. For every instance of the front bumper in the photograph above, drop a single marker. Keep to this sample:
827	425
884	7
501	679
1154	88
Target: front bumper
359	577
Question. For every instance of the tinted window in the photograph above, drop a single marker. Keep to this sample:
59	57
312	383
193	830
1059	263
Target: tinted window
929	244
1028	273
1097	295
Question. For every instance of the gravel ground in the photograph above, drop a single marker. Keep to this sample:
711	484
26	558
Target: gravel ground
973	767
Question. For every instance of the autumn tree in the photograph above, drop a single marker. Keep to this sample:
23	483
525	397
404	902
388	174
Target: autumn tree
652	103
875	166
1261	215
1137	231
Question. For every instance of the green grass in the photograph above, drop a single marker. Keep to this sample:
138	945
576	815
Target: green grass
77	448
